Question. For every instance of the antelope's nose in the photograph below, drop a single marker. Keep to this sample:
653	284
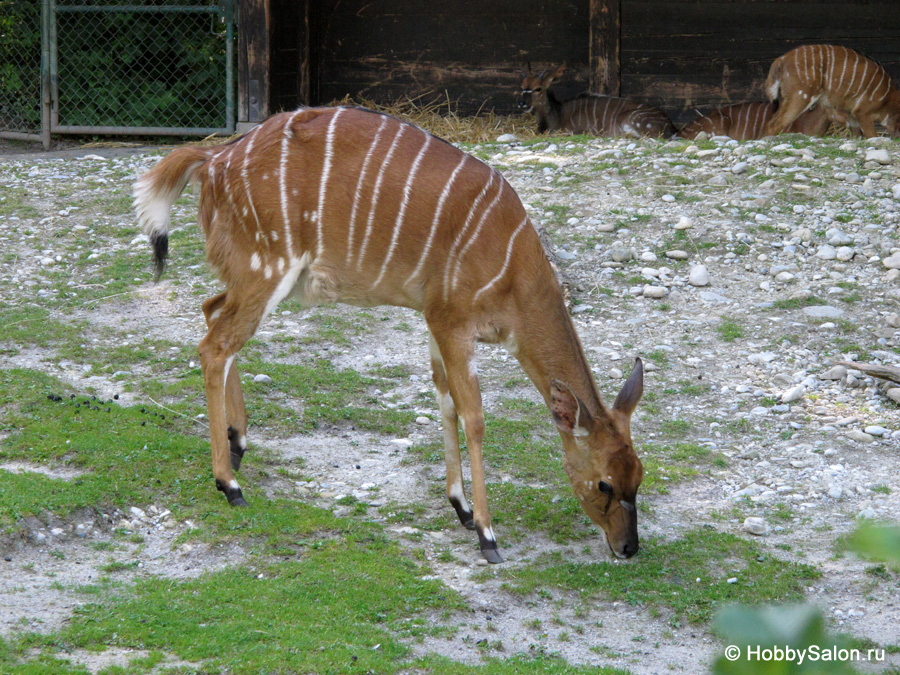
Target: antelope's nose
630	549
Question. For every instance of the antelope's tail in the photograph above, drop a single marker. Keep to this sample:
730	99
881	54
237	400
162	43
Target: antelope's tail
156	191
773	83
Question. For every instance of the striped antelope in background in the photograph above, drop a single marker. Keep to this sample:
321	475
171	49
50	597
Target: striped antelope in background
343	204
844	82
747	122
589	113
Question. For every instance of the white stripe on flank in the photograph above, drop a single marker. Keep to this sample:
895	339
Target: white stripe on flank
245	177
323	180
282	182
481	221
398	224
462	233
509	248
296	266
437	217
359	188
377	193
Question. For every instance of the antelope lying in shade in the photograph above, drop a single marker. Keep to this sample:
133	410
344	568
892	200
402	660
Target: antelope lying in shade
850	87
747	122
589	113
343	204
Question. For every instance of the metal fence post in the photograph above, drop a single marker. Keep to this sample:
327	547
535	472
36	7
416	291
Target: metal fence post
46	101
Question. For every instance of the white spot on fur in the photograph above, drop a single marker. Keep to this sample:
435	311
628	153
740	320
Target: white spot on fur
255	262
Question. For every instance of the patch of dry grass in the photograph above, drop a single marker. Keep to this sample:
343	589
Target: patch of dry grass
438	115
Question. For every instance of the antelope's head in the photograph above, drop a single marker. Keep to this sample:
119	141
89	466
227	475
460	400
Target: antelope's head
603	467
534	88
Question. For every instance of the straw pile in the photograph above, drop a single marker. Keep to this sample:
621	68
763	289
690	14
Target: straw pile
438	115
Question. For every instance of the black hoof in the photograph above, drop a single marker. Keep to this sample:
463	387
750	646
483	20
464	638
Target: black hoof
237	452
489	549
466	517
233	495
492	555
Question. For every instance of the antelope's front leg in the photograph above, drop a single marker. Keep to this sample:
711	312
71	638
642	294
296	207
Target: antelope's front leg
458	356
450	428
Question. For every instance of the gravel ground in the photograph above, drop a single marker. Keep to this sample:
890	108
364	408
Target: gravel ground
743	274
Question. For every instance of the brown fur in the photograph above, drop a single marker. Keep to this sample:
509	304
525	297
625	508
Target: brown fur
339	204
850	87
590	113
747	121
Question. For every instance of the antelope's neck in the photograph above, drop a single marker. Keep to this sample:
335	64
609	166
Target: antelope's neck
548	348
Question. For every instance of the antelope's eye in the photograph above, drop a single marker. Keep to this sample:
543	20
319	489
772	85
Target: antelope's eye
605	487
537	89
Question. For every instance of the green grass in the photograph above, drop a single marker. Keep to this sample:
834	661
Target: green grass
798	303
665	574
342	608
729	330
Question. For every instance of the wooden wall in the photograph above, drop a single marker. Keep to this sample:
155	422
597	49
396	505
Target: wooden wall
687	54
681	55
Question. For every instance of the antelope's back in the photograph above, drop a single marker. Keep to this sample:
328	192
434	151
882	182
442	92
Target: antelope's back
614	116
383	211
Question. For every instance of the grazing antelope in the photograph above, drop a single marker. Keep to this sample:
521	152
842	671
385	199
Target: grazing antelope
747	122
344	204
849	86
589	113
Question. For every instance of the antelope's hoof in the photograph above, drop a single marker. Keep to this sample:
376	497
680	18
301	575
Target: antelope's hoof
466	517
489	548
492	555
237	452
232	494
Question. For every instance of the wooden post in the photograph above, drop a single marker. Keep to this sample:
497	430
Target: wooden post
605	46
254	68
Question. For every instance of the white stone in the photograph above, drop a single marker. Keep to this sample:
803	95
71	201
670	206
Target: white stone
655	291
892	262
699	276
677	254
826	252
757	526
784	277
845	254
793	394
507	138
684	223
879	155
262	379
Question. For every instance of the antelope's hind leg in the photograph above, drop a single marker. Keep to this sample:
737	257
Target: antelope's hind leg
450	427
235	410
231	324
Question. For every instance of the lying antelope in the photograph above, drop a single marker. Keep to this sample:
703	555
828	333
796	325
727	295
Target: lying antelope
849	86
589	113
747	122
344	204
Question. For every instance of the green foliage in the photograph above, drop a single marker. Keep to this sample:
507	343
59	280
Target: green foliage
749	632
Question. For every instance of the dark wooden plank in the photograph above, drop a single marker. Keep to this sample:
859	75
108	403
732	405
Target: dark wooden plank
605	46
253	60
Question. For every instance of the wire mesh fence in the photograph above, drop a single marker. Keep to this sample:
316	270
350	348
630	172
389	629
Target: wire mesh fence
20	66
116	66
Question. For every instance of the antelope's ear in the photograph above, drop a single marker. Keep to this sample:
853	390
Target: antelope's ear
632	390
568	411
559	72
